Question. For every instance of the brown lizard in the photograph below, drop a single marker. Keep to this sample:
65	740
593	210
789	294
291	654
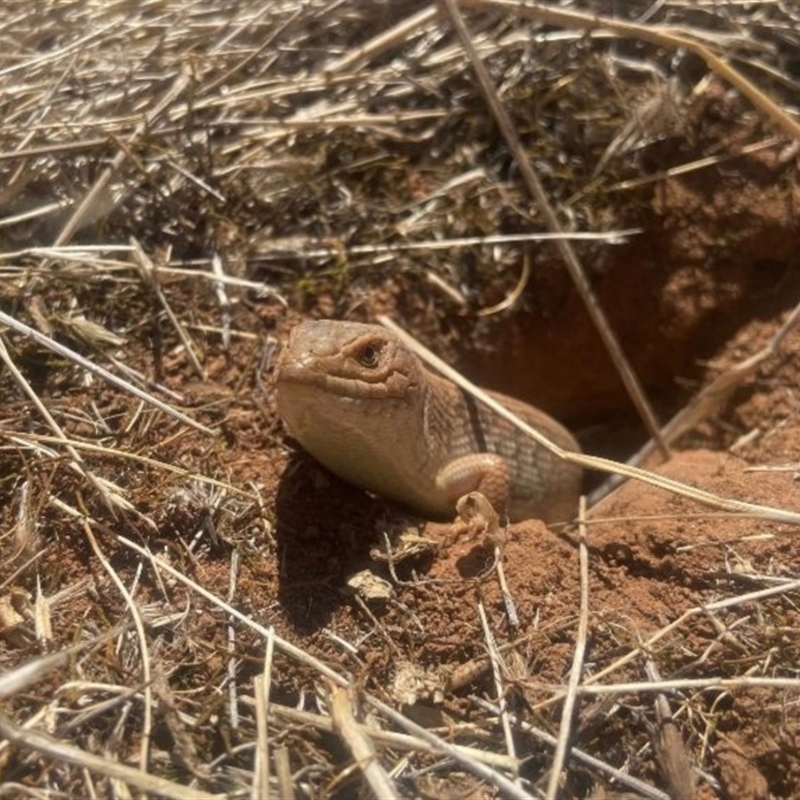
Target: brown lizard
357	399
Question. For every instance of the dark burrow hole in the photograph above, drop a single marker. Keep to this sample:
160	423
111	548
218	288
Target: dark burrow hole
670	321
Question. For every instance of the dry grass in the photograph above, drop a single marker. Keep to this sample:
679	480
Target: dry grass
167	164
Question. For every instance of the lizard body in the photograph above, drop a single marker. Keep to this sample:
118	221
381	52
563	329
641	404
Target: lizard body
359	401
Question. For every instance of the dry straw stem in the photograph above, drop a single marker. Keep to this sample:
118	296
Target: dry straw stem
609	237
360	745
497	674
576	671
149	273
96	369
693	166
620	776
144	651
262	686
111	494
283	773
590	685
676	766
59	751
397	35
568	254
710	398
666	37
708	684
477	768
593	462
396	741
36	441
234	569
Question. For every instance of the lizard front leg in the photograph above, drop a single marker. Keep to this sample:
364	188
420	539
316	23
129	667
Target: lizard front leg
486	473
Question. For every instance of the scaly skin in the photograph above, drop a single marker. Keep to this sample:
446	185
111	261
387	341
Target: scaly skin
365	406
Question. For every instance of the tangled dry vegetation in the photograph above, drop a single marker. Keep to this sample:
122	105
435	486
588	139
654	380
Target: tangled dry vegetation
181	182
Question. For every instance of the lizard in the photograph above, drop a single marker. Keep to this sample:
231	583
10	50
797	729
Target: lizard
362	404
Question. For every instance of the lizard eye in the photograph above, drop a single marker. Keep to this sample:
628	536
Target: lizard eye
369	356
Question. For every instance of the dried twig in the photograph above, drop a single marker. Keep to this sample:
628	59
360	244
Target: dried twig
111	494
621	776
709	399
562	746
262	686
144	651
360	746
496	661
66	352
62	752
149	273
568	254
665	37
673	758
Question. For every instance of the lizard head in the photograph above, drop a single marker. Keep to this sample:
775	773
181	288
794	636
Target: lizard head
343	382
348	359
353	396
